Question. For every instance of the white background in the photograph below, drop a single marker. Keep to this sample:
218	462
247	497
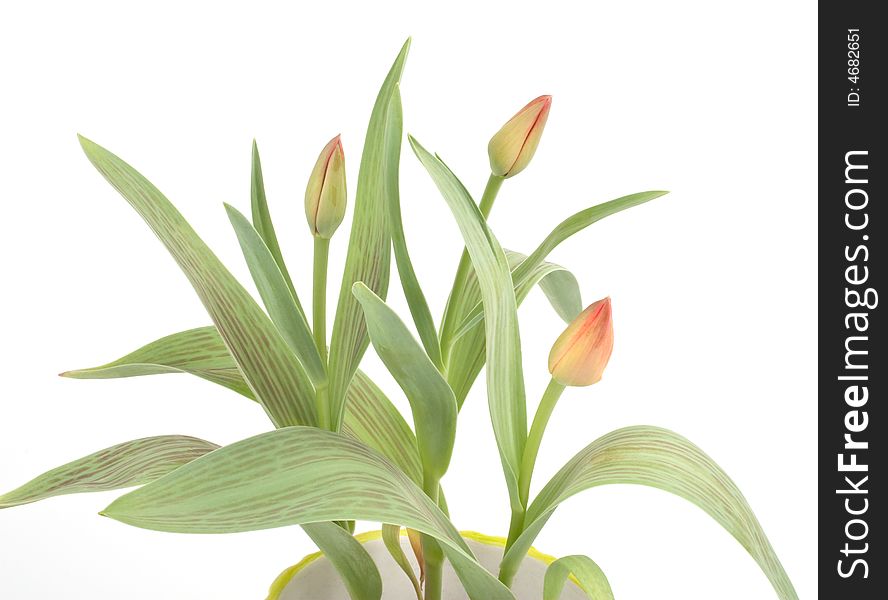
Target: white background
713	286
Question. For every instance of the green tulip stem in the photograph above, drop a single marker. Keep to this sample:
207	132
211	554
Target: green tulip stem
535	437
319	321
431	551
531	450
449	323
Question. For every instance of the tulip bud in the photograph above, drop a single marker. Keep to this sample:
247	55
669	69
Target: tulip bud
512	147
325	197
580	354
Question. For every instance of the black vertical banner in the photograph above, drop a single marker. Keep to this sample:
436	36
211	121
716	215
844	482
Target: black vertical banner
853	372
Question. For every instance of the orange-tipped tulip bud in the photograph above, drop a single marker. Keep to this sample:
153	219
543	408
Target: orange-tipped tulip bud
580	354
325	197
512	147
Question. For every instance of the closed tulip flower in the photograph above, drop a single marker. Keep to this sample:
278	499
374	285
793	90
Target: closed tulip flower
512	147
581	353
325	196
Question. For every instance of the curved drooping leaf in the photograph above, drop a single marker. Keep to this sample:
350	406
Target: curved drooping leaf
279	301
467	356
525	271
588	575
297	475
558	284
465	348
276	377
416	301
370	415
263	223
562	289
431	399
349	558
369	244
505	380
198	351
120	466
391	537
662	459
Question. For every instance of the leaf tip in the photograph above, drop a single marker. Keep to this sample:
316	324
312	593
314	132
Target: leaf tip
360	289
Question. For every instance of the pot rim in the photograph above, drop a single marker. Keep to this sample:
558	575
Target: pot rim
287	574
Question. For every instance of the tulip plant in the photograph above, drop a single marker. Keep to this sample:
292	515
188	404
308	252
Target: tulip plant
339	450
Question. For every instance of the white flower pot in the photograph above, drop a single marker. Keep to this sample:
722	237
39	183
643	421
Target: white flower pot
314	578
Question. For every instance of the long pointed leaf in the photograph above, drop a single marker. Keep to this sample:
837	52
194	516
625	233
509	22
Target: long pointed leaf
416	301
661	459
505	380
588	574
124	465
351	560
263	223
269	367
297	475
282	307
431	399
369	246
370	416
199	352
573	224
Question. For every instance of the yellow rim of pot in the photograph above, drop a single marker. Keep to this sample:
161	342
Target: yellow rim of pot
368	536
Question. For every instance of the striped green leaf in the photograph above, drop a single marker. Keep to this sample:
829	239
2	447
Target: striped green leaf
199	352
416	301
349	558
297	475
431	399
391	537
370	415
505	380
263	223
369	246
372	418
282	307
273	373
661	459
124	465
583	569
465	347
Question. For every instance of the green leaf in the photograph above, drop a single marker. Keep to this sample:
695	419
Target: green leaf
391	537
271	370
431	399
370	416
578	222
351	560
264	225
466	354
124	465
297	475
558	284
369	245
661	459
416	301
583	569
282	307
505	380
199	352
